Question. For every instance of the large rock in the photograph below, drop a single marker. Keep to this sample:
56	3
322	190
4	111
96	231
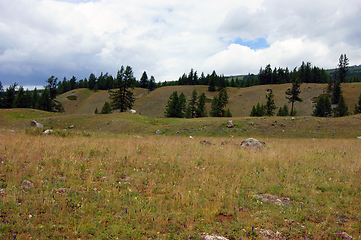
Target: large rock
36	124
212	237
253	144
230	124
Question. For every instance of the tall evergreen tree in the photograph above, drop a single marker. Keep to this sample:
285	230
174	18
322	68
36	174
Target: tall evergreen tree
342	109
144	80
34	98
151	84
294	93
270	105
219	103
182	104
9	97
283	111
172	108
358	107
122	98
91	82
193	104
342	68
45	102
106	108
323	107
201	106
212	84
336	92
20	100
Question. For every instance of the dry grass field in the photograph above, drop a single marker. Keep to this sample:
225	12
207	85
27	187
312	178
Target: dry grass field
171	187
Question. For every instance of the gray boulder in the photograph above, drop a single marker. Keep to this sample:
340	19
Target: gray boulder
230	124
252	143
36	124
158	132
27	184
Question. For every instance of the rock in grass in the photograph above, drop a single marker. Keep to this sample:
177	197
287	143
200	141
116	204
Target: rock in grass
212	237
252	143
269	234
36	124
177	133
280	201
48	131
230	124
204	142
359	138
27	184
158	132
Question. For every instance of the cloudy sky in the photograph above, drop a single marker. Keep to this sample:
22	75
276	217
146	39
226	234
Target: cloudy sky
166	38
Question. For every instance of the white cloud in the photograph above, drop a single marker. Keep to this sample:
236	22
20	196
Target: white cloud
39	38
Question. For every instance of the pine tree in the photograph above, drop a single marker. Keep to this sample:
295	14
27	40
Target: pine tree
219	103
294	93
212	84
9	97
122	99
20	101
151	84
336	92
323	107
144	80
358	108
270	105
106	108
172	107
96	111
182	104
342	108
342	68
193	104
283	111
201	106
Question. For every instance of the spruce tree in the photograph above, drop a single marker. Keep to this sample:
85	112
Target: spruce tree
106	108
323	107
123	99
336	92
172	108
144	80
201	106
193	104
342	68
151	84
182	104
342	108
270	105
294	93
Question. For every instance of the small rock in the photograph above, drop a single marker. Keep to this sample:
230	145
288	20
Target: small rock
359	138
48	131
252	143
212	237
27	184
230	124
71	127
292	118
177	133
36	124
204	142
282	125
190	137
274	199
158	132
138	137
251	123
269	234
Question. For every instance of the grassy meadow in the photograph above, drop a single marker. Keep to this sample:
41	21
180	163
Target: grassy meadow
112	177
134	184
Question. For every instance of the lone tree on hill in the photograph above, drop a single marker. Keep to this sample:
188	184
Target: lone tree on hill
123	99
294	93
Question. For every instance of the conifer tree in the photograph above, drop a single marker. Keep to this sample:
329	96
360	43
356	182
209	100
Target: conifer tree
342	108
144	80
294	93
336	92
123	99
106	108
201	106
270	105
193	104
323	107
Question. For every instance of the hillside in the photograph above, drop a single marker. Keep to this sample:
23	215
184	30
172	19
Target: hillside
241	100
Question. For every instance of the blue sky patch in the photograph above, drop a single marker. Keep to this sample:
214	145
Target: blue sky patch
258	43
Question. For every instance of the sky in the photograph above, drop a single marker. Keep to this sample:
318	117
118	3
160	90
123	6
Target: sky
166	38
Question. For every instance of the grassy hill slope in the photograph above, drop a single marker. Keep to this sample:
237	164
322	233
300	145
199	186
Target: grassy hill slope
241	100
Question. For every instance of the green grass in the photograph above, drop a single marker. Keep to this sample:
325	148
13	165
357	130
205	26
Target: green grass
165	187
